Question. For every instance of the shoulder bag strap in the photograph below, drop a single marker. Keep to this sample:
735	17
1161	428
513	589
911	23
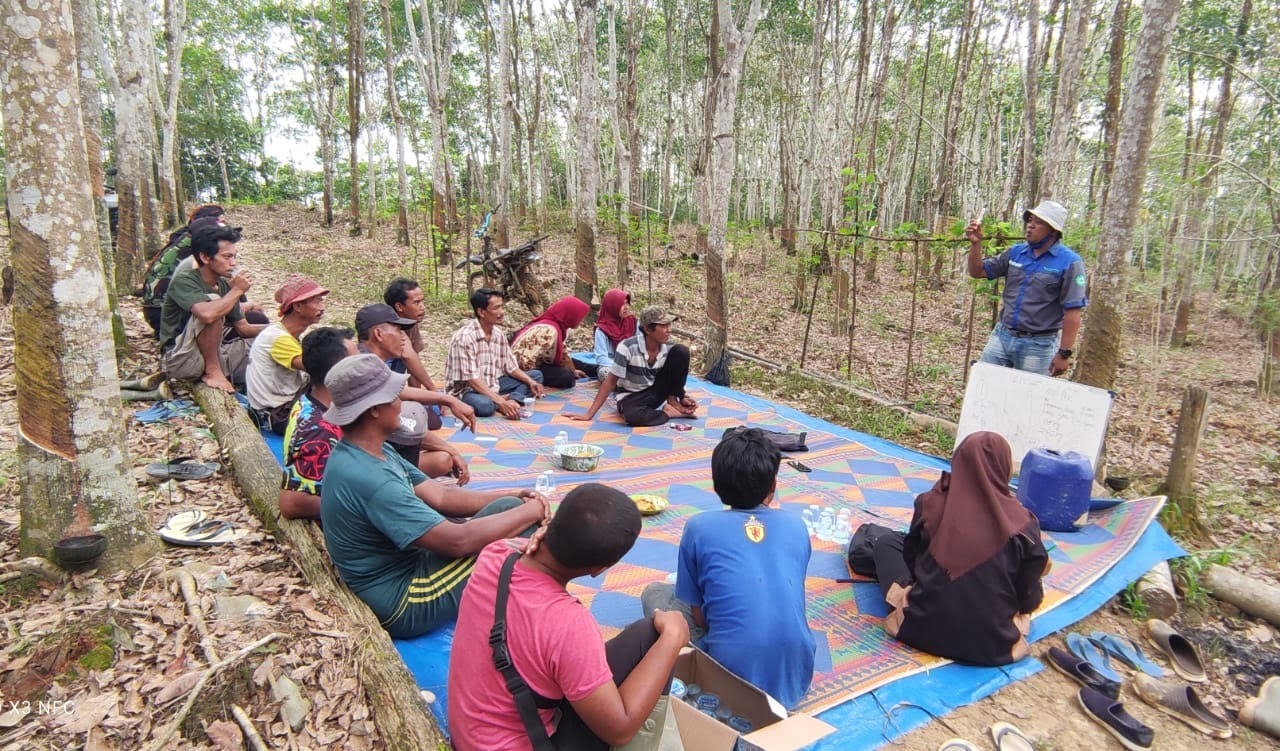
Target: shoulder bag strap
527	701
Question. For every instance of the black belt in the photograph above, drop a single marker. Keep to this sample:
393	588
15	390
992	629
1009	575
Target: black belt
1021	334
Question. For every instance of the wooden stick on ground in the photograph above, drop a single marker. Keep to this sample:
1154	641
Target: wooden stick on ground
187	584
402	716
251	737
162	740
1250	595
34	566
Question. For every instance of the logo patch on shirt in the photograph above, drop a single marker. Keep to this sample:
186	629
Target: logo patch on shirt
1080	279
754	529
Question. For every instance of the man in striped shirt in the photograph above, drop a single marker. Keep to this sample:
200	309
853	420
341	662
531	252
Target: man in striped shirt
649	373
481	369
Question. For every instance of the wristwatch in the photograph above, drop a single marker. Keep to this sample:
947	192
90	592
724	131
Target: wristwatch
1064	353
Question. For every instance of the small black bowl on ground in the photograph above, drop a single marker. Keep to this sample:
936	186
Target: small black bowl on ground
78	551
1117	484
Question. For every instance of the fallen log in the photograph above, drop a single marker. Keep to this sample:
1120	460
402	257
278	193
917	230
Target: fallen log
1157	593
398	709
1250	595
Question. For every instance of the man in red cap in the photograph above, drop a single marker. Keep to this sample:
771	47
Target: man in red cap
275	375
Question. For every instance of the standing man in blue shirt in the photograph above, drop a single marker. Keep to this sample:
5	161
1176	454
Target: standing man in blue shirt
1044	294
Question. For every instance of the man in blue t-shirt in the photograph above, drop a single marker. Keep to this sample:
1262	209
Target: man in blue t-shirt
740	577
403	544
1044	294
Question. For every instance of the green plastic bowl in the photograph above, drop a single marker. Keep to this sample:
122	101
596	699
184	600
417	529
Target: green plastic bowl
579	457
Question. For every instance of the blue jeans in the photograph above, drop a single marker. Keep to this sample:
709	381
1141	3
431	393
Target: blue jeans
508	387
1033	354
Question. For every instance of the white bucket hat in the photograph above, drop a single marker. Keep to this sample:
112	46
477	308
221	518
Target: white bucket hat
1052	213
358	383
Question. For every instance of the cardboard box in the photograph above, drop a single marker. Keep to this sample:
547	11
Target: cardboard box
774	729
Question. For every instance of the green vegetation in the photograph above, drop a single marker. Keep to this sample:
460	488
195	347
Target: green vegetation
1188	570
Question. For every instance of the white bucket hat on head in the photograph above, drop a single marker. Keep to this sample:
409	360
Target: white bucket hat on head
1052	213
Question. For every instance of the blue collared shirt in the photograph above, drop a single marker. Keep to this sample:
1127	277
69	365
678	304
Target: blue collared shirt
1038	291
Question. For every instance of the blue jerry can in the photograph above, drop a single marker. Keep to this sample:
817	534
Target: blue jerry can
1055	486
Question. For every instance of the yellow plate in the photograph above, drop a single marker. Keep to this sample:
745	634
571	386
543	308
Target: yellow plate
650	504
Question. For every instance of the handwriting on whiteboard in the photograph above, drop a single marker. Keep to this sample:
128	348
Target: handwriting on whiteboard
1034	411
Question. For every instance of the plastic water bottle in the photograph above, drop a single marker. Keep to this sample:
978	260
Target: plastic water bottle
809	516
843	532
826	525
546	483
708	702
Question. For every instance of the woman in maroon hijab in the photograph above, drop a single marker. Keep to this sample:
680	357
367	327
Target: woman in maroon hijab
964	580
540	344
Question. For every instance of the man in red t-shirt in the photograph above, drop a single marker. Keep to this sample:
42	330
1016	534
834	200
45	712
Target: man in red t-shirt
602	692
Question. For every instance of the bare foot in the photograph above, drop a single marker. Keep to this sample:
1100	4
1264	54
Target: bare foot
671	410
218	381
686	407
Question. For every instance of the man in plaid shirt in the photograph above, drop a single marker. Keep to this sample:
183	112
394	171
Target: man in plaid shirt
481	370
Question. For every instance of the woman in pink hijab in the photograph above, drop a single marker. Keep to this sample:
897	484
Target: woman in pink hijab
540	344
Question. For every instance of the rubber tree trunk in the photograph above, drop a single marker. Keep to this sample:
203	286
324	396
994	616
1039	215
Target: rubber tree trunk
71	445
355	88
87	41
587	127
137	238
720	145
1101	357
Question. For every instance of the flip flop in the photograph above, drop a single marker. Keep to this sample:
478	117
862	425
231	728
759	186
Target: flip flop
165	411
182	468
1009	738
957	744
1182	654
193	529
1092	654
1127	652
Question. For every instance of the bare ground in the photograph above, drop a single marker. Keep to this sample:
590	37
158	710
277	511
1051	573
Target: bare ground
1239	474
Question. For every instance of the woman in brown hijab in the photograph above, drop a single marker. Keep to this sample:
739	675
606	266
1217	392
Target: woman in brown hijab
964	580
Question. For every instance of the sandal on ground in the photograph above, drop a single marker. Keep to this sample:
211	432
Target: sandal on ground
1009	738
165	411
182	468
1182	654
957	744
1180	700
1126	651
1092	654
193	529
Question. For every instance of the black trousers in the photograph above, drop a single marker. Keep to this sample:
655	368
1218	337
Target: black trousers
890	565
557	376
623	652
644	408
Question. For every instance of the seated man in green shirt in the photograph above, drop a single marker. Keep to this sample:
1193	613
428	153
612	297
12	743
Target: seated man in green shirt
404	544
203	333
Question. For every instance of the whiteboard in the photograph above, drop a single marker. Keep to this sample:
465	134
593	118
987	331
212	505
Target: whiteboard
1034	411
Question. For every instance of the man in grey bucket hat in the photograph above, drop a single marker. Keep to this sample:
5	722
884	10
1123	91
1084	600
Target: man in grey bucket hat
1044	294
404	544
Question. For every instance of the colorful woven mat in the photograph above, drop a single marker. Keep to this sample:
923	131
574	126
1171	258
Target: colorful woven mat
876	480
